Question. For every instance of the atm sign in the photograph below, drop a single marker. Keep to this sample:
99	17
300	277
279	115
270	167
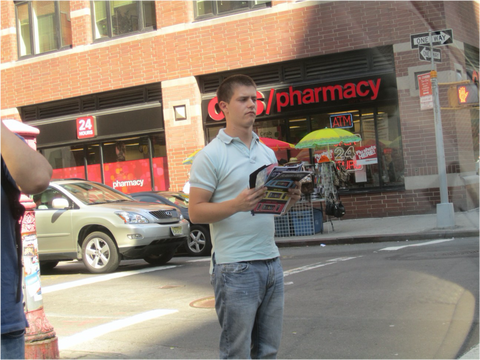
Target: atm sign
86	127
344	120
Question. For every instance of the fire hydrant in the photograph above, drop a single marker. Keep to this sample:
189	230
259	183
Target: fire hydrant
41	341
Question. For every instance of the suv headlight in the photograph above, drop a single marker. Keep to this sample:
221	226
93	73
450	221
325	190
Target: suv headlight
131	217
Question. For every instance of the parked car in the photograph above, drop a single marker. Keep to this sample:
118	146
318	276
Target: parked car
199	243
89	221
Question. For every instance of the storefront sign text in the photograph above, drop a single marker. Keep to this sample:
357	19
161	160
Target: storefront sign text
280	100
117	183
341	120
364	88
86	127
366	155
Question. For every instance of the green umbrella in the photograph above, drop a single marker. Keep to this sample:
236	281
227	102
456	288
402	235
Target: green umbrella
325	137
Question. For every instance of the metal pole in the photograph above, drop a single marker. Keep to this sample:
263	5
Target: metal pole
445	213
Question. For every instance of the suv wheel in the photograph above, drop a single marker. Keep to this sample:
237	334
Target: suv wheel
100	253
198	243
160	259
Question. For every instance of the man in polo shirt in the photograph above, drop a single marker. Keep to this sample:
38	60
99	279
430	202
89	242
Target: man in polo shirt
245	269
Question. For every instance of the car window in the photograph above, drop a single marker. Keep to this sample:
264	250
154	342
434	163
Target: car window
44	200
92	193
148	199
179	201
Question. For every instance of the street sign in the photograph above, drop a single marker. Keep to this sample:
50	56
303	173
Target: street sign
425	91
424	54
439	37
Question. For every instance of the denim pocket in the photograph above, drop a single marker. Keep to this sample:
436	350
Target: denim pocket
234	268
14	334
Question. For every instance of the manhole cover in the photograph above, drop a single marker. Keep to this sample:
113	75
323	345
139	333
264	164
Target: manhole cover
208	302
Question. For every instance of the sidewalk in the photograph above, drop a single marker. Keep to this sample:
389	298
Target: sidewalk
411	227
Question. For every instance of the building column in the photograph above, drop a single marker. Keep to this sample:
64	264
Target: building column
80	13
181	102
8	32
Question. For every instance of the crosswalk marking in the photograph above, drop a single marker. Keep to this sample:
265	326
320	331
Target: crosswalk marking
91	333
394	248
315	266
100	278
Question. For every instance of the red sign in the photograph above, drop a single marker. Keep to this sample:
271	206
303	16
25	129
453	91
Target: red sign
366	155
424	84
279	100
86	127
126	176
364	88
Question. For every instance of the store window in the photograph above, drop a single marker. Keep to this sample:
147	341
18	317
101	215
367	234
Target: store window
116	18
207	9
42	27
377	160
126	164
374	162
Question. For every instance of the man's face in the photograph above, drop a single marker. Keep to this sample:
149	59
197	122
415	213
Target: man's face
242	108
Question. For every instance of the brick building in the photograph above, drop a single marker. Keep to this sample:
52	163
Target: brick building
124	91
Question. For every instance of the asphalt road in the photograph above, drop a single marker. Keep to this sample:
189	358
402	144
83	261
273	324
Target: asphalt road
412	299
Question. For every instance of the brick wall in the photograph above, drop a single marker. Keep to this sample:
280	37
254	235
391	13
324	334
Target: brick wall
8	37
183	136
81	22
250	41
409	202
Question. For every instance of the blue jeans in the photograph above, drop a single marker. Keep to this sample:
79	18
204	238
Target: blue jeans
13	345
249	303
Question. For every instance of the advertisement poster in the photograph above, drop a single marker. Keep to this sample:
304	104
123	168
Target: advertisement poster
366	155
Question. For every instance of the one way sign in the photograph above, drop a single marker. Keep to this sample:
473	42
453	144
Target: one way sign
425	54
440	37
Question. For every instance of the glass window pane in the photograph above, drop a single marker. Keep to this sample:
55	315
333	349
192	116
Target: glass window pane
66	161
124	17
297	130
225	6
45	31
275	129
204	7
23	25
159	146
65	23
101	24
149	17
159	162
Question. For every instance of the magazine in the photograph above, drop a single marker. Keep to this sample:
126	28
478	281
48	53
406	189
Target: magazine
277	179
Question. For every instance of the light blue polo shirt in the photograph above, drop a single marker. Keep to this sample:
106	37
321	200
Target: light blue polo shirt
223	167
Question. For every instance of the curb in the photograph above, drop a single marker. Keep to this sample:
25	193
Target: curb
375	238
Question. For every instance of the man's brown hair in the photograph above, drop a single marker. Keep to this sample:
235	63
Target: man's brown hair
227	87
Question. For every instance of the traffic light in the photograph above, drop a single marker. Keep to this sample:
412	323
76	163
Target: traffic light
467	94
461	95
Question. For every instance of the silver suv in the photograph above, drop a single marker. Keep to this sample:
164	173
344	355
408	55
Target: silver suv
81	219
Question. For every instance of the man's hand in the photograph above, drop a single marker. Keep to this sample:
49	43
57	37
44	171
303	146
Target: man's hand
249	198
202	211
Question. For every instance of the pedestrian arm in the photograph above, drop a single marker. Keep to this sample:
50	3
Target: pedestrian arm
202	211
30	170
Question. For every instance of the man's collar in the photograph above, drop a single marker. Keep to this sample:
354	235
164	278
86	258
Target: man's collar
227	139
